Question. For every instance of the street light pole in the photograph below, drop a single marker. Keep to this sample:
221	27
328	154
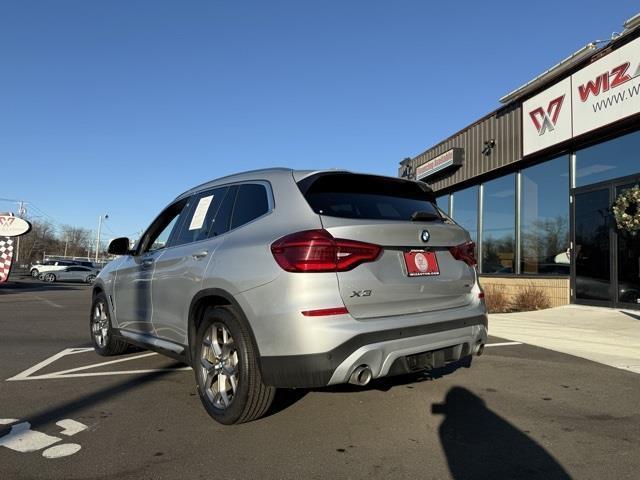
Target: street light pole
98	235
21	213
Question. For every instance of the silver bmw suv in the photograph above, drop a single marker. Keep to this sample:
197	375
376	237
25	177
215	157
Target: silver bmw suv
285	278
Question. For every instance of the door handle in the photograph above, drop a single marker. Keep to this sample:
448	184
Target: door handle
199	255
147	262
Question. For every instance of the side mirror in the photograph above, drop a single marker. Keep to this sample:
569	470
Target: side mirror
119	246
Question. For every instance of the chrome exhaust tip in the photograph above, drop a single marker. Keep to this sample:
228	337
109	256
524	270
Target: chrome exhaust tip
480	349
361	376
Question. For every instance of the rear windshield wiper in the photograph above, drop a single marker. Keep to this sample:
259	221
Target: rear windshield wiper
421	216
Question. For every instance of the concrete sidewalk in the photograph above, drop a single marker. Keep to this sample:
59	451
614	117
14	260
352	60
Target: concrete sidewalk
603	335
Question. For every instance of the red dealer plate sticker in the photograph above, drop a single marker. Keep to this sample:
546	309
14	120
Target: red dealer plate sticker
421	263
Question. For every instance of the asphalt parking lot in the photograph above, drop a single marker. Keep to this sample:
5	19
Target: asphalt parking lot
518	412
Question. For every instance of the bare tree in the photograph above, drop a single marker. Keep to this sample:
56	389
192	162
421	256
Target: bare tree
75	240
41	238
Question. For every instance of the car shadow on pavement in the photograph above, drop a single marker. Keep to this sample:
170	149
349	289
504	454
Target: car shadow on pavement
284	398
35	286
478	443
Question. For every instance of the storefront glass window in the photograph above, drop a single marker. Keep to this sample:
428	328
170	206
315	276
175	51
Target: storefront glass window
544	219
465	210
615	158
498	226
443	203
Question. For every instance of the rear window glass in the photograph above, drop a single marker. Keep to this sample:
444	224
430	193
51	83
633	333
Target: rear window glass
369	197
251	203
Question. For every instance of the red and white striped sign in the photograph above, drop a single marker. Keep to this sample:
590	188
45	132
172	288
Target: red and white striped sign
6	257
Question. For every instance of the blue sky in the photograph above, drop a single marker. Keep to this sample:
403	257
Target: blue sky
118	106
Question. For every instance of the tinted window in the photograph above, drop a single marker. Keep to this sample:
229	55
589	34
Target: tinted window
200	216
443	203
499	225
465	210
251	203
544	218
163	236
157	235
367	197
611	159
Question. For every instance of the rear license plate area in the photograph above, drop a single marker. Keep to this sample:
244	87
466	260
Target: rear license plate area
421	263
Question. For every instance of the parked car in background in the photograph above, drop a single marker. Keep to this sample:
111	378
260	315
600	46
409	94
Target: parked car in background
84	263
49	266
294	279
74	273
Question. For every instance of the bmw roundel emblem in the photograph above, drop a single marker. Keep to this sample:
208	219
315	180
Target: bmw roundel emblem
424	236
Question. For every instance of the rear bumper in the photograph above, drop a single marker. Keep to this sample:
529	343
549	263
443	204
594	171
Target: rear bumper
379	350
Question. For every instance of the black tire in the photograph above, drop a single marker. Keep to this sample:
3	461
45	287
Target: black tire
110	345
90	279
34	273
252	398
49	277
630	297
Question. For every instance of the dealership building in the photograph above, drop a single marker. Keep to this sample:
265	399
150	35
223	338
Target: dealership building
535	181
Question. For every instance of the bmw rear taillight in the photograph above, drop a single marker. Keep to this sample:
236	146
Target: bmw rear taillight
318	251
465	252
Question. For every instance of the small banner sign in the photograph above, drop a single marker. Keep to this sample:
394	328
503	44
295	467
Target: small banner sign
450	158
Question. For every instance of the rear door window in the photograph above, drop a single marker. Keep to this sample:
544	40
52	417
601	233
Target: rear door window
368	197
252	202
200	216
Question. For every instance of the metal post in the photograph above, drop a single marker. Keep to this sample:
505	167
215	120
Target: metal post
451	205
518	252
21	212
572	170
480	222
66	244
98	236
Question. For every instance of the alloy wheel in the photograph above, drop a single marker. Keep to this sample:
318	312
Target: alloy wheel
219	366
100	325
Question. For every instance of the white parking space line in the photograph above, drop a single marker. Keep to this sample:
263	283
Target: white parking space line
29	374
95	365
105	374
39	366
48	302
502	344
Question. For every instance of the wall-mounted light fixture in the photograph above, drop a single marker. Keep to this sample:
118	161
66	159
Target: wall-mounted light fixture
407	171
488	146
